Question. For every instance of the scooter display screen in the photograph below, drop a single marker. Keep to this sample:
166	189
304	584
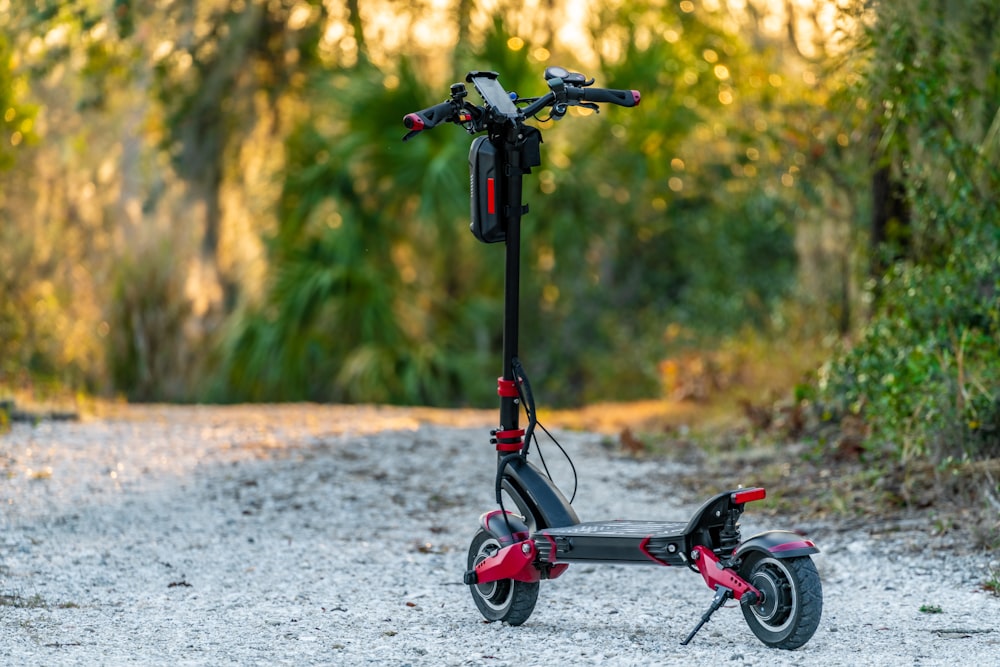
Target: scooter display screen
495	96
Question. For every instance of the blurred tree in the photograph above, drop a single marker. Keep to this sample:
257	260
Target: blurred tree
221	65
16	131
370	262
671	209
166	109
671	224
231	171
17	119
42	326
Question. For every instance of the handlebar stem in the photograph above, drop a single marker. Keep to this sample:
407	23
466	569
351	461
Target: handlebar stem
539	104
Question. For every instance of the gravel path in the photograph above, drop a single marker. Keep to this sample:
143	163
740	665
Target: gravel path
332	535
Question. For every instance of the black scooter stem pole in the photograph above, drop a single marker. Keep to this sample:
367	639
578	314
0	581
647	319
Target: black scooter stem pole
512	172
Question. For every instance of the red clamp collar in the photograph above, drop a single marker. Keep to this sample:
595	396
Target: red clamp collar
508	441
506	388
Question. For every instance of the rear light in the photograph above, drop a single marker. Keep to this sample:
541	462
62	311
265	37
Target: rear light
748	495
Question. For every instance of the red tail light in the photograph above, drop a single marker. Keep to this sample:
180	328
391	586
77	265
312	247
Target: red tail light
748	495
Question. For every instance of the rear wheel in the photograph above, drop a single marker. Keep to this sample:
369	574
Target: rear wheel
789	614
505	600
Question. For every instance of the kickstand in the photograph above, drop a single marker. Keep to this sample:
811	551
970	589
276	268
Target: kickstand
721	595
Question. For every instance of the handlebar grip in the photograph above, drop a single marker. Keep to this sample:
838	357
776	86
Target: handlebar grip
623	98
430	117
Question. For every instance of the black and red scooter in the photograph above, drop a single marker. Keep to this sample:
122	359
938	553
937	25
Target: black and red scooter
770	574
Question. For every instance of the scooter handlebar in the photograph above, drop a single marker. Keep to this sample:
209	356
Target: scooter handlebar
570	91
623	98
430	117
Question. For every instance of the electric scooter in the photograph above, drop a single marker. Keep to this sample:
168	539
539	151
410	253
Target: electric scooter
770	574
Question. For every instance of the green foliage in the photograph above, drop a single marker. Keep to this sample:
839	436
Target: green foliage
145	108
149	309
925	372
222	199
360	305
992	582
6	406
54	246
377	293
648	217
16	118
16	132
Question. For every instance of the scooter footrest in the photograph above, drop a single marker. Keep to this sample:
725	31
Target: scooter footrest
622	528
614	541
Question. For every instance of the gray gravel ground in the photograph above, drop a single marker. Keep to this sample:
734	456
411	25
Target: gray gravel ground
323	535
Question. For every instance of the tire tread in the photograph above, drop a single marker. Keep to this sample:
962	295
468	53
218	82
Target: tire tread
523	597
810	606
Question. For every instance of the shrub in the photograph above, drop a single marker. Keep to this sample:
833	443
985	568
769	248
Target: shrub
925	371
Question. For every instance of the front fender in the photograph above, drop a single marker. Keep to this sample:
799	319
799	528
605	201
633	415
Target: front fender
777	543
507	531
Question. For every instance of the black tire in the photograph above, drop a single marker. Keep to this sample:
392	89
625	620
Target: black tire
793	599
505	600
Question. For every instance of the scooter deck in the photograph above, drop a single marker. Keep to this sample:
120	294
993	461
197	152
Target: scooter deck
622	540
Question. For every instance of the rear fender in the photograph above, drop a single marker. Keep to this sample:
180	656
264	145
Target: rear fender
777	543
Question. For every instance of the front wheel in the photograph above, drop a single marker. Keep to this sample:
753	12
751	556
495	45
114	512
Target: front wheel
789	614
504	600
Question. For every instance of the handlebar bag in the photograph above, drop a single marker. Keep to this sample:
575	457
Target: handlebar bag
487	202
